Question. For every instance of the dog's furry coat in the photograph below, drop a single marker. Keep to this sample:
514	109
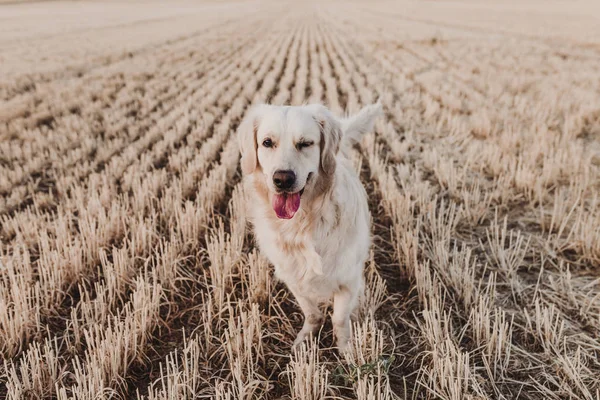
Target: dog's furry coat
319	253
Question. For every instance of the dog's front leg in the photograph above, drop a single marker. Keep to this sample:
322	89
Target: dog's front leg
313	317
345	301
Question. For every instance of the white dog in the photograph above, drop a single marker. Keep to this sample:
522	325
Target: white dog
308	207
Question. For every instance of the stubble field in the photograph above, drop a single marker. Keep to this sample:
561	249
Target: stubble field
127	271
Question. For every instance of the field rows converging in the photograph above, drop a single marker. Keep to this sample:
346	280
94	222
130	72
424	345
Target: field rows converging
127	269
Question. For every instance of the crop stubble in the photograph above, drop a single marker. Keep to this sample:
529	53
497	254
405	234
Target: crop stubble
127	269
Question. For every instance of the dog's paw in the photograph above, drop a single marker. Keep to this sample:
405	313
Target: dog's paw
343	345
342	335
300	338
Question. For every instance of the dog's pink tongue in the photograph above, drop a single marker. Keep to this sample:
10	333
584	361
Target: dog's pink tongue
286	204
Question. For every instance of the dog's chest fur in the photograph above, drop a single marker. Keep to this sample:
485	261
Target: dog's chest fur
325	243
299	249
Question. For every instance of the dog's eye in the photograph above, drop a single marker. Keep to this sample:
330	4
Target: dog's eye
302	145
268	143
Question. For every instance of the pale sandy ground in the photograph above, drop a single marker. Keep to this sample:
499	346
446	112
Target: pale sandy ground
126	269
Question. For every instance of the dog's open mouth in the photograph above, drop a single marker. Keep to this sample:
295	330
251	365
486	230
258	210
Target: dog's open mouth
286	204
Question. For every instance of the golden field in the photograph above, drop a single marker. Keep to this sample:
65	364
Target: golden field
126	267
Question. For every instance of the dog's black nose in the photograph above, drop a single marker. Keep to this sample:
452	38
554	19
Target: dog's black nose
284	179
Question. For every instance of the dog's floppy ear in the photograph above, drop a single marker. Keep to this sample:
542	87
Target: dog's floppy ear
331	134
246	134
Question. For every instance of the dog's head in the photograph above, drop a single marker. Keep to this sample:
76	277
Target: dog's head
293	148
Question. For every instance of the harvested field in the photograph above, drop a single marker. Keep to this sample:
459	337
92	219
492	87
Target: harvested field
127	271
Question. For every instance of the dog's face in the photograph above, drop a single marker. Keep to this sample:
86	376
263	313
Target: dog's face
288	153
292	147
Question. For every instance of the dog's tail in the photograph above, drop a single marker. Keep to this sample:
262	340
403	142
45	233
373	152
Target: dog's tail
355	126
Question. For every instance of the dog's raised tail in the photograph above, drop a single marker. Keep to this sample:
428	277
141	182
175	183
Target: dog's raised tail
353	127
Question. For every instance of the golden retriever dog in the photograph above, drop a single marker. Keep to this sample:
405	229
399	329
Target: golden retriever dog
307	205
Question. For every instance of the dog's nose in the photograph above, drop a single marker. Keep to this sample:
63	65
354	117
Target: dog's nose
284	179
